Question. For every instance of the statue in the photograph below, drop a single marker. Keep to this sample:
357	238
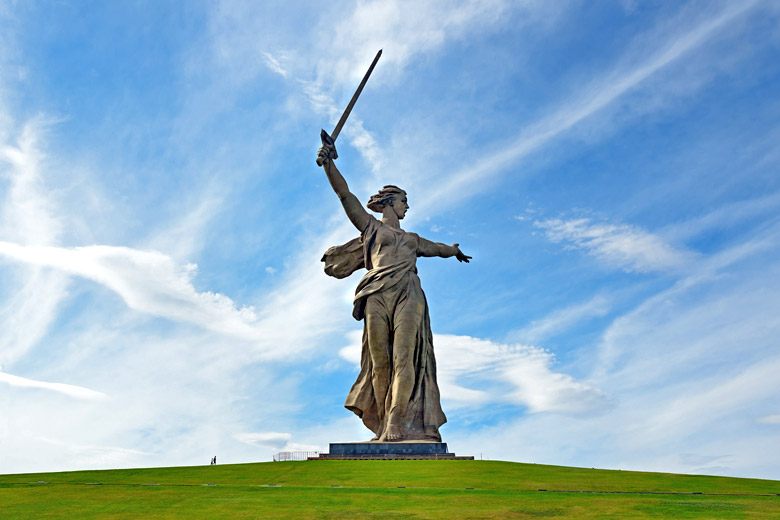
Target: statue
396	394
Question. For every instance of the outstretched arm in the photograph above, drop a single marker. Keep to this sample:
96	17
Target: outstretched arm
354	210
428	248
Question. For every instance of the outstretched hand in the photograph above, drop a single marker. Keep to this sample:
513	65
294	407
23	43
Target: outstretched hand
459	254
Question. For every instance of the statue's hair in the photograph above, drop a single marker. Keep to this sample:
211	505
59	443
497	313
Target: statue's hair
384	197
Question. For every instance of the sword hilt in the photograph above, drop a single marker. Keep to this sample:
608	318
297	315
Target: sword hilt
327	141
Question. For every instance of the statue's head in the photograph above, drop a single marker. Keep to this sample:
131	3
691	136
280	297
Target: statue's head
389	196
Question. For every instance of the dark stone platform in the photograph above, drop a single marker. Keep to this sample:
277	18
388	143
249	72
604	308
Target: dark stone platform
389	450
386	448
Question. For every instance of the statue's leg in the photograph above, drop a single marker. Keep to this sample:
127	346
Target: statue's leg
378	328
405	338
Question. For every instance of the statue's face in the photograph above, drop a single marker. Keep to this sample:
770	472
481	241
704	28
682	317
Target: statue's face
400	206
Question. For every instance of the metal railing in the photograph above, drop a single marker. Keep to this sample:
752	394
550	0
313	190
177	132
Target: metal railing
285	456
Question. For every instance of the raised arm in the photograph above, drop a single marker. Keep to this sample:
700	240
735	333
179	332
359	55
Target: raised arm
428	248
352	206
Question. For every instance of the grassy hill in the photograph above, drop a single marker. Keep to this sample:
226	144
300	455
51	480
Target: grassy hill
383	489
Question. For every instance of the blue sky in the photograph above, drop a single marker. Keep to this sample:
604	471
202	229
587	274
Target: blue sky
612	167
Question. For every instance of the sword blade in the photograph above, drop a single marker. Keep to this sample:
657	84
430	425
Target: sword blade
345	115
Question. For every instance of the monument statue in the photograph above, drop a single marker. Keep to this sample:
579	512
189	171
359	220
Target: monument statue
396	394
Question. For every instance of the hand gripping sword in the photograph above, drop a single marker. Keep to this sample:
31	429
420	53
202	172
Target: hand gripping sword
330	140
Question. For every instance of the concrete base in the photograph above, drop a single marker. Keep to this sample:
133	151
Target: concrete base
389	451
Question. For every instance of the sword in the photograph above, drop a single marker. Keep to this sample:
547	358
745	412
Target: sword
330	139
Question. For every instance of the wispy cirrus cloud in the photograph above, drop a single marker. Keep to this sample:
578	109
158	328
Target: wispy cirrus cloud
634	70
716	399
273	63
618	245
561	320
342	50
741	309
404	29
726	216
26	315
27	216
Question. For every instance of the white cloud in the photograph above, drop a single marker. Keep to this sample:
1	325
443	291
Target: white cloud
153	283
148	281
351	352
274	64
623	246
476	372
769	419
77	392
524	374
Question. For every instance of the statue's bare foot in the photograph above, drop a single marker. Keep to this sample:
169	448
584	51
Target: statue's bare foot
393	433
374	438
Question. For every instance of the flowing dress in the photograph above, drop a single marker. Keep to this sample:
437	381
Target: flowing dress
390	295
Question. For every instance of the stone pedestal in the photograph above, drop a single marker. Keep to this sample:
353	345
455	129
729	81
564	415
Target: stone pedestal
389	451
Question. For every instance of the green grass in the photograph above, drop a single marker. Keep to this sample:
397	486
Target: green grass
384	489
